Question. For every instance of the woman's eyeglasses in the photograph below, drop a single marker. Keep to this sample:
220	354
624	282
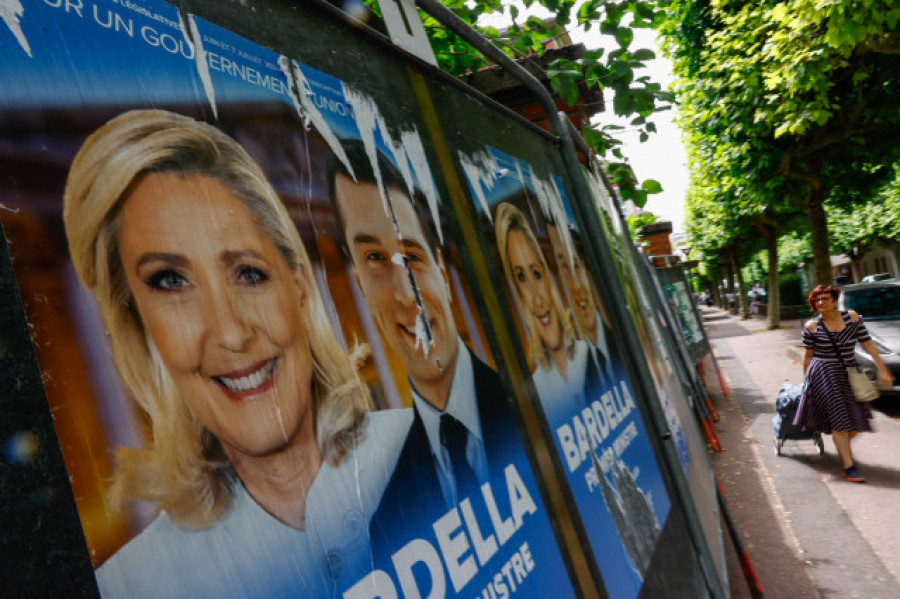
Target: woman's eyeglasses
824	298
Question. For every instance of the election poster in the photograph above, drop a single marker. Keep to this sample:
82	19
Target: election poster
262	355
586	398
676	288
683	309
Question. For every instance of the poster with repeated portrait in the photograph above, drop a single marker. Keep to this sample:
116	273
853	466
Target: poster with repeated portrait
585	395
265	367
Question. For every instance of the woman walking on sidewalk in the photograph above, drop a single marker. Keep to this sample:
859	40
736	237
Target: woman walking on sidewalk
828	404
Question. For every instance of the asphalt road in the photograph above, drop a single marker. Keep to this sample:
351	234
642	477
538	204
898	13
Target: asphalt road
809	532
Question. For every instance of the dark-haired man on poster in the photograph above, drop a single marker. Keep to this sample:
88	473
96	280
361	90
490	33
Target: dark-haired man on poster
401	273
463	444
579	287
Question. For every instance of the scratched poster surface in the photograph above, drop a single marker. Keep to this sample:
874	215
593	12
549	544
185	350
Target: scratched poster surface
251	320
646	319
586	397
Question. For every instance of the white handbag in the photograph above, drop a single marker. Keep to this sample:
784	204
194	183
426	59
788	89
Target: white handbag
862	387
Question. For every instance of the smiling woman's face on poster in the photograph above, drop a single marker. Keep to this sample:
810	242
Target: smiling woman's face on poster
533	283
225	310
219	334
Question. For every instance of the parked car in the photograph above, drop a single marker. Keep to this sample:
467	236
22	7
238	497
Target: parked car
882	276
879	303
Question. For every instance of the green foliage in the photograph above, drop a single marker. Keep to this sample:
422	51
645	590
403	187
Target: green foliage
857	228
755	268
783	103
622	176
791	289
793	250
618	71
636	221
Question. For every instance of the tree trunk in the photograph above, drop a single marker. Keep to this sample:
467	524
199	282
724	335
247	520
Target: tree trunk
743	306
716	294
818	228
895	249
729	284
856	265
773	298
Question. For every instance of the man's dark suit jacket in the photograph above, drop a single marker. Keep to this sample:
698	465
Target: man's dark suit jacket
413	500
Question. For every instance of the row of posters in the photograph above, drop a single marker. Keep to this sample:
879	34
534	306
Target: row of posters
659	344
266	363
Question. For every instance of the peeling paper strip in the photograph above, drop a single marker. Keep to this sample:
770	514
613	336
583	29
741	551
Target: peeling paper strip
366	116
192	36
551	202
423	334
407	151
415	152
297	84
481	170
519	174
10	12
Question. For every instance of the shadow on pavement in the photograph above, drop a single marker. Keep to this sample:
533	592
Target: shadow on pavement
878	476
889	405
773	554
752	401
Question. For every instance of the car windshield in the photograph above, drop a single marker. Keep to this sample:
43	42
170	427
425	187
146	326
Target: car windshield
881	303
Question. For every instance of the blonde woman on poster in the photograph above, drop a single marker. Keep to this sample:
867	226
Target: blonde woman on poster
263	459
560	360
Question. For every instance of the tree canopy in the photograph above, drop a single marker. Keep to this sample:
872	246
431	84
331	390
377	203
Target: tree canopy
782	101
858	228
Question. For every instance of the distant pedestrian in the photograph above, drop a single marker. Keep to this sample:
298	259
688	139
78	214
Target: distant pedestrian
828	404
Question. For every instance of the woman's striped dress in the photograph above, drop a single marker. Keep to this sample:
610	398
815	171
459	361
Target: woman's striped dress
828	403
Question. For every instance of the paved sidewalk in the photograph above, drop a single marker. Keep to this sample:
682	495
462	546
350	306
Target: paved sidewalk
809	532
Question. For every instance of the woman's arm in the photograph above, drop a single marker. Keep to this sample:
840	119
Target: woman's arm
809	329
885	378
